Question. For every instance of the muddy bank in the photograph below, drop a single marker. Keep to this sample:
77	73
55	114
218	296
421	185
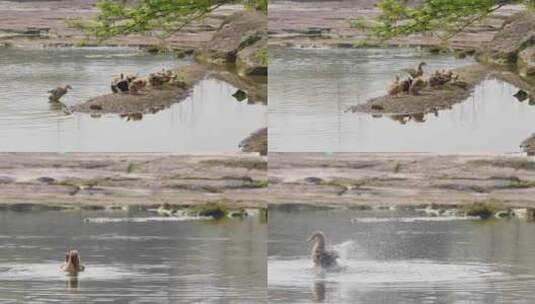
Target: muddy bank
149	100
256	142
153	99
92	179
434	99
430	99
361	179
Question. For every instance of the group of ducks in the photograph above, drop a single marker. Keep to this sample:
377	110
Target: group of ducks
417	82
124	83
132	84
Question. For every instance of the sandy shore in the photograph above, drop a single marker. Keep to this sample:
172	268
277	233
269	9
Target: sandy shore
352	179
92	179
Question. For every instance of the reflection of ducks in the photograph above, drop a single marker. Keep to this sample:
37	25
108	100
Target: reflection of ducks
417	72
72	263
320	255
57	93
72	282
318	292
396	87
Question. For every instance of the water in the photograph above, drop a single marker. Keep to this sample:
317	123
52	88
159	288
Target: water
208	121
143	261
310	89
401	257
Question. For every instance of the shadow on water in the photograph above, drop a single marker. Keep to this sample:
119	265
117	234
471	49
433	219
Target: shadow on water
210	120
134	258
400	257
310	91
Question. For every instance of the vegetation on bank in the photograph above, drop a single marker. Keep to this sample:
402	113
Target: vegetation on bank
162	17
445	18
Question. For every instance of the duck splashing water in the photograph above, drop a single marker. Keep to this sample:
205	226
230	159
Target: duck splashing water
322	257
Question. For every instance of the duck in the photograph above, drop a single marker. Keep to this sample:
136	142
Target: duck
406	85
121	83
417	85
320	255
72	263
417	72
441	78
395	88
137	85
57	93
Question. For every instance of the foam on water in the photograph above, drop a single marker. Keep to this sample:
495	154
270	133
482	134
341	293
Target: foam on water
413	219
301	272
51	272
105	220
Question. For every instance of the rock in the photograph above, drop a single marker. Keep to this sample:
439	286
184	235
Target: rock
528	145
240	95
240	40
252	61
256	142
526	61
6	180
515	36
46	180
314	180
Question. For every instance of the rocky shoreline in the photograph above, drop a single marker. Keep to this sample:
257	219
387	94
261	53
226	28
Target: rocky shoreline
98	180
384	180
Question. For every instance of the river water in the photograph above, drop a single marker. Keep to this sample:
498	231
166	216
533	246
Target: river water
311	89
210	120
401	257
131	257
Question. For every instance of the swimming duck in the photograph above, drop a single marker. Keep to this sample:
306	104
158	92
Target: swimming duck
72	262
417	85
417	72
57	93
396	87
320	255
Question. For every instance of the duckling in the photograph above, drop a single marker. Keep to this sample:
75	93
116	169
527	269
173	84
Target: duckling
137	85
121	84
417	85
57	93
320	255
417	72
441	78
406	85
72	263
396	87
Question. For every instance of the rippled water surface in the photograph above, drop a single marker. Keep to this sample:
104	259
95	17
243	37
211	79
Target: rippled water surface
401	257
131	258
210	120
310	89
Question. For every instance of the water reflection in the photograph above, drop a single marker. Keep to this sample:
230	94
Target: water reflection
310	91
388	258
189	261
211	120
